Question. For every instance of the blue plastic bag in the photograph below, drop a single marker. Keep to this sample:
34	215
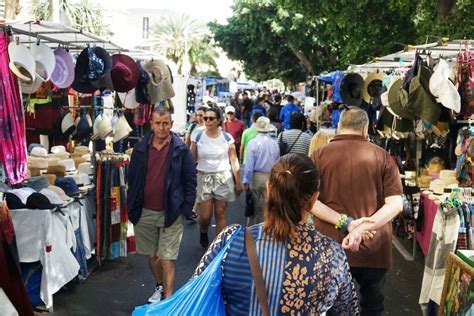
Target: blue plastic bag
202	295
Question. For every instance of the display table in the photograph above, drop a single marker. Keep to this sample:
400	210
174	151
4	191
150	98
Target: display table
424	236
47	236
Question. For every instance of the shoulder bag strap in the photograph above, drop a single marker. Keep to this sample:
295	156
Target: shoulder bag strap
289	149
256	272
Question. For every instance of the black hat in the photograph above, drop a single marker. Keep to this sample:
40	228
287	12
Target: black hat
351	89
13	201
104	81
39	201
141	90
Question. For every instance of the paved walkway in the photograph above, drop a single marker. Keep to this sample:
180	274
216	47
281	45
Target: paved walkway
121	285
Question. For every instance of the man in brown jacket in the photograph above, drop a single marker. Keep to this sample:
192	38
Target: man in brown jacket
359	179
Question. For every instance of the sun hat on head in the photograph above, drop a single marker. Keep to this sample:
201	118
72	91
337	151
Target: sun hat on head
22	63
124	73
263	125
63	73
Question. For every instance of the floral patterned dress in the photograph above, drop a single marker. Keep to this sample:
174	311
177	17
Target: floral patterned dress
307	275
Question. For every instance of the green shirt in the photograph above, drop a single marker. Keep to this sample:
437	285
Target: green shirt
248	135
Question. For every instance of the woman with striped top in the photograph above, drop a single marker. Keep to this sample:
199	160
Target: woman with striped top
304	272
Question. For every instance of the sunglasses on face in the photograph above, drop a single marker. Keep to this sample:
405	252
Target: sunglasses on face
209	118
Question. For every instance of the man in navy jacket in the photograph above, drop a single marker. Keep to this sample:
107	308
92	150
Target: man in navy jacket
161	188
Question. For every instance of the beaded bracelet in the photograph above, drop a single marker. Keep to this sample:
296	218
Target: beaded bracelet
341	221
345	226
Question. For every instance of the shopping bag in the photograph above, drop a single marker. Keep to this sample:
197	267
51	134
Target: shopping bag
202	295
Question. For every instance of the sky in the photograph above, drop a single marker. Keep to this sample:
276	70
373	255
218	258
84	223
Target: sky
207	10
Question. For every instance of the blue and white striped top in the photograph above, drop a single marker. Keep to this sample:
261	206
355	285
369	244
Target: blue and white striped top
309	274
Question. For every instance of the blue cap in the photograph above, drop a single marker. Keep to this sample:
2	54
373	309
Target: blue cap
68	185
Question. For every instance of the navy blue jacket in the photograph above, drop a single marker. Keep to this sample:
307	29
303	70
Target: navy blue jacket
180	187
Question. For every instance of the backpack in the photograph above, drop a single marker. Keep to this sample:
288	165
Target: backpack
226	136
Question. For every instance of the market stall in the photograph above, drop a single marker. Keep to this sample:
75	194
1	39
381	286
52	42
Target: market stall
72	107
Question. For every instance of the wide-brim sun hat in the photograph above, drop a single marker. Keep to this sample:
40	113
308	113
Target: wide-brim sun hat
105	80
124	73
372	86
122	129
22	63
397	99
63	73
263	125
45	60
160	86
351	89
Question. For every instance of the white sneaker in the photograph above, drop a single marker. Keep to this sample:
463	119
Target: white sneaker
157	295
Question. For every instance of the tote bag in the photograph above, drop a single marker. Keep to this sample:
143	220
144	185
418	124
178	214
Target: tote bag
202	295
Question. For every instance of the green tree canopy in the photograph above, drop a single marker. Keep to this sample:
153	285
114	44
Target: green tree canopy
290	39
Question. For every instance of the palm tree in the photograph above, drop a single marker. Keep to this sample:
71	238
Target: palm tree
178	36
83	14
202	52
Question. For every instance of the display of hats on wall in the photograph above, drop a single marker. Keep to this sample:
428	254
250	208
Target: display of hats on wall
63	73
124	73
351	89
160	87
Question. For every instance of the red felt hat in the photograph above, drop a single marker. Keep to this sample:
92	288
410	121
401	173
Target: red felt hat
124	73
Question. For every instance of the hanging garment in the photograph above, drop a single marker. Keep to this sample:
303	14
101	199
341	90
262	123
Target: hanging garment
443	241
10	280
12	125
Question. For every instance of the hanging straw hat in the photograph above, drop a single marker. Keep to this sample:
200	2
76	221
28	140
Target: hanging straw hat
122	129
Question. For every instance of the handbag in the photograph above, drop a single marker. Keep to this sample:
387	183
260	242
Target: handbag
201	295
256	272
284	146
249	207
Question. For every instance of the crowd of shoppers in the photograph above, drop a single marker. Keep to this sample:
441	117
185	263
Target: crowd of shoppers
349	194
